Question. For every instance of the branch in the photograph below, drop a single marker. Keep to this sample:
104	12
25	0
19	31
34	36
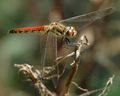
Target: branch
74	66
103	91
80	88
34	76
107	87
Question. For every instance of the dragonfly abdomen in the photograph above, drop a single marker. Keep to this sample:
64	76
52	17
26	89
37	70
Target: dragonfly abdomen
38	29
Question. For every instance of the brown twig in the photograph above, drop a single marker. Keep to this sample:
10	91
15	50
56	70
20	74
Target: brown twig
103	91
107	87
74	66
33	75
80	88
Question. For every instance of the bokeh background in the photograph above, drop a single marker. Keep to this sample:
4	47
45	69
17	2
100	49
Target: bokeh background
100	61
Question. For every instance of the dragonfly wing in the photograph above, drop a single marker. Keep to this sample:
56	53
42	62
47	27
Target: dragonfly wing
82	21
90	17
54	56
55	48
43	50
50	55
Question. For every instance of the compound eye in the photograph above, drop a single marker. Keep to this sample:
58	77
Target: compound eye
71	32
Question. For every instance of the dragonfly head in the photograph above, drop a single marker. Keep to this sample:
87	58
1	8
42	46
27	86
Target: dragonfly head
70	32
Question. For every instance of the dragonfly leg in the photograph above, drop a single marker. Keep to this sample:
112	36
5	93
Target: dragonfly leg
67	41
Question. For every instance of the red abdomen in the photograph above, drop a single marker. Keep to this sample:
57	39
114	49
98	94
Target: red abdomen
29	29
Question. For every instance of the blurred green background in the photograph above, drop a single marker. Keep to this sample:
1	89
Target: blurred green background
98	63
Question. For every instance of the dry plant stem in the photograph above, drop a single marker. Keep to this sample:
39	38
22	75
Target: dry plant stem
107	87
103	91
60	59
78	48
33	75
74	65
91	92
80	88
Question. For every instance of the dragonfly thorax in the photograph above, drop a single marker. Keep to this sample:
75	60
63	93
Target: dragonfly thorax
62	30
70	32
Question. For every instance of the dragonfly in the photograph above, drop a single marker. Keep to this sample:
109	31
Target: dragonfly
59	29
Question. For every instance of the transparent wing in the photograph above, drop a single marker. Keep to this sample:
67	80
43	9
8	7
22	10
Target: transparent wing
49	50
90	17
